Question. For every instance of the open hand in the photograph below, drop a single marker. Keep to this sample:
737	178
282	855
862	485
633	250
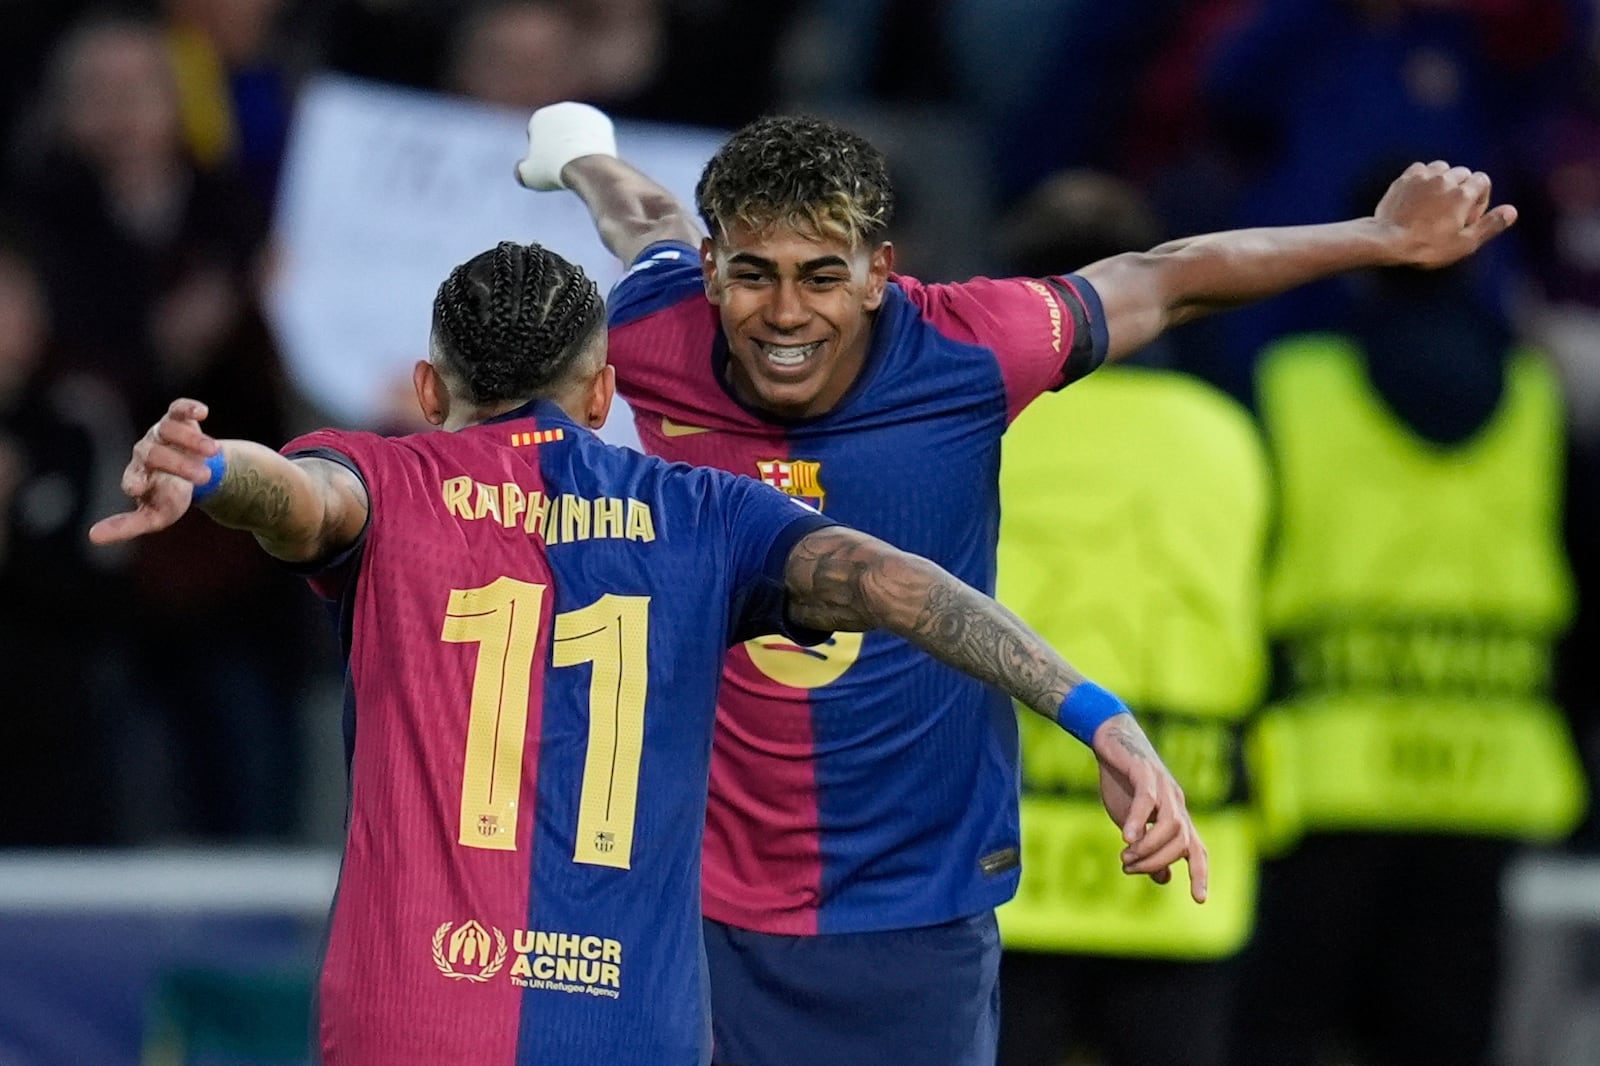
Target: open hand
1144	799
1440	214
168	462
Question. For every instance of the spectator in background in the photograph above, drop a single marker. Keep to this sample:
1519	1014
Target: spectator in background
1096	962
1317	92
235	95
626	48
507	51
642	58
108	182
523	54
1417	590
519	54
149	265
57	605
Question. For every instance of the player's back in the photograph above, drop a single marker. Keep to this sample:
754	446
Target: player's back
535	625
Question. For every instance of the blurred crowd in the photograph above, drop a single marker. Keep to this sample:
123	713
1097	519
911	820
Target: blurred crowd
161	693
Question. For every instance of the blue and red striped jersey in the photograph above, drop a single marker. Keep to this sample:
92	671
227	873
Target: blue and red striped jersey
535	624
860	785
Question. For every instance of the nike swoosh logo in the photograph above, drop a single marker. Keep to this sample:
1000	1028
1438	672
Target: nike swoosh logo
678	429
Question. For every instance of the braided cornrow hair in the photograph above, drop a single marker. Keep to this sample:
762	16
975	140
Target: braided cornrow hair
511	320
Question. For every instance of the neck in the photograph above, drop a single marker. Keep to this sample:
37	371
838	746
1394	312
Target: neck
462	416
475	415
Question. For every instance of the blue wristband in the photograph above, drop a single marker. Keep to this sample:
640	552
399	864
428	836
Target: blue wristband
1086	707
218	465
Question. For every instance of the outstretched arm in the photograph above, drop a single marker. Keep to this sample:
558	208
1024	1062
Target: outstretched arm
629	209
839	578
1431	216
573	146
299	510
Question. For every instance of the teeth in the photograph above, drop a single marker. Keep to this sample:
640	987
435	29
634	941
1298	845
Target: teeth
789	355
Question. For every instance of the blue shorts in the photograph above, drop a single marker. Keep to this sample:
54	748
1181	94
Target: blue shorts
907	997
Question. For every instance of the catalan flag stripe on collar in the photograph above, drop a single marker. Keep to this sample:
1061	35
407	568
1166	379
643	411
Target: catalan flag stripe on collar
538	436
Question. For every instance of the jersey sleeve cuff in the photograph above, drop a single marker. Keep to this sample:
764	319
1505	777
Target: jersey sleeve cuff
1090	339
339	560
777	562
657	246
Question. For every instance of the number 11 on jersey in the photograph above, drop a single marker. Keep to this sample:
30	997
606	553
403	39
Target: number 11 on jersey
612	633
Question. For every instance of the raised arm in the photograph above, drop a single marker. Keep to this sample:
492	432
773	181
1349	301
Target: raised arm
1431	216
839	578
573	146
299	510
629	209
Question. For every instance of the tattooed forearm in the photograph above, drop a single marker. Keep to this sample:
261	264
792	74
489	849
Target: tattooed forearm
841	579
298	510
249	499
973	633
826	573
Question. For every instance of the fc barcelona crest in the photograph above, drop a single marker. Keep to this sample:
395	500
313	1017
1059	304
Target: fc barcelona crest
800	478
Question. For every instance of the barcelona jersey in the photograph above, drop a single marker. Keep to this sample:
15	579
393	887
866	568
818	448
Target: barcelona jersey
859	785
535	624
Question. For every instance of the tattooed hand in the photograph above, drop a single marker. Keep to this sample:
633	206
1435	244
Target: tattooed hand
1142	797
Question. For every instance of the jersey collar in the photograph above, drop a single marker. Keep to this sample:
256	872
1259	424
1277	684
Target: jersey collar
544	412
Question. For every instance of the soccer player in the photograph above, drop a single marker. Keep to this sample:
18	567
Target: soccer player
856	843
535	624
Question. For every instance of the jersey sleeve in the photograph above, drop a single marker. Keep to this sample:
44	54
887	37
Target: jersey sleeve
330	578
763	526
1045	333
663	274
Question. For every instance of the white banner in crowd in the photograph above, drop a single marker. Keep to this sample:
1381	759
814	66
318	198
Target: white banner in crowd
384	191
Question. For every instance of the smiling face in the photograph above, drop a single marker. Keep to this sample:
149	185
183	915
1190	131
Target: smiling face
796	208
797	312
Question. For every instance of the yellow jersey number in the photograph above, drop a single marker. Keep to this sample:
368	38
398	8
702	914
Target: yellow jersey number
613	632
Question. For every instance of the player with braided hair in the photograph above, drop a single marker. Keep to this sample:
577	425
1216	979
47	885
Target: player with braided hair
505	322
535	624
851	872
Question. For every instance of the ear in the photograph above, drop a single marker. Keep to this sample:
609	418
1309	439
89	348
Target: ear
878	271
433	397
597	402
708	269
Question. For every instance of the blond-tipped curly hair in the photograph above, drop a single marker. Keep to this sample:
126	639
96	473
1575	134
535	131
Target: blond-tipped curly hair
800	173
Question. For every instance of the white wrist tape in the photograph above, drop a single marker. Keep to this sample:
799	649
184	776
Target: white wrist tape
557	135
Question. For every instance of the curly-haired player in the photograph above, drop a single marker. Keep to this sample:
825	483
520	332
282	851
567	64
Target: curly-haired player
851	869
535	624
